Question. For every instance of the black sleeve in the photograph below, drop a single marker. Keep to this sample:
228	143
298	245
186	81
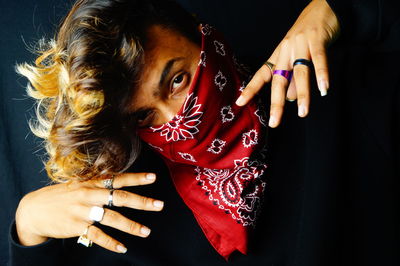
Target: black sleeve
366	21
45	254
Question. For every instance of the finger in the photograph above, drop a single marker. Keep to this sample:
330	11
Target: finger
262	76
291	94
301	74
116	220
279	86
319	58
121	198
100	238
128	180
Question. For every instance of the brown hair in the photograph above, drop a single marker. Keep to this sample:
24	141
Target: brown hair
83	80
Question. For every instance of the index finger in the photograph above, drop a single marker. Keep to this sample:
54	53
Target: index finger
127	180
262	76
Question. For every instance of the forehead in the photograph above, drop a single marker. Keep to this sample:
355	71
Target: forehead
162	41
162	45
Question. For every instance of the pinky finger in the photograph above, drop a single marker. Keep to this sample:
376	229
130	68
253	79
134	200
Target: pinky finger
102	239
319	58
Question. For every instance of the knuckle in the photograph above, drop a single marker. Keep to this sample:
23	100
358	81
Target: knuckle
322	71
109	243
314	30
319	53
95	233
133	227
300	36
122	195
145	201
83	192
285	43
302	96
112	216
300	73
278	83
276	106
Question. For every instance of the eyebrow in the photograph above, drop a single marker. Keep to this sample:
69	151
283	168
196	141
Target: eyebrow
167	69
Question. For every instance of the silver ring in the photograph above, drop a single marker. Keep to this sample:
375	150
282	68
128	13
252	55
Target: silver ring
96	214
84	240
269	65
108	183
110	198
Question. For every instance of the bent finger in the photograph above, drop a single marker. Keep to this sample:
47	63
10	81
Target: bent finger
116	220
96	235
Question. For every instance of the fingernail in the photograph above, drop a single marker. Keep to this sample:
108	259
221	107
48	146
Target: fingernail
240	101
158	203
323	87
122	249
302	110
150	176
272	121
145	231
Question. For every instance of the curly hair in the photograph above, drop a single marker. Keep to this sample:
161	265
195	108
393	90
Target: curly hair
83	80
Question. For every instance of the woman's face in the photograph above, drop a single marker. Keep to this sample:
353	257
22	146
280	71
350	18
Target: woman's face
170	63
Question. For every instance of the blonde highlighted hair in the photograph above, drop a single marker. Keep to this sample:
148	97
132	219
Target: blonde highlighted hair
83	80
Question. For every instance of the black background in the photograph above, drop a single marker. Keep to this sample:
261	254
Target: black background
338	169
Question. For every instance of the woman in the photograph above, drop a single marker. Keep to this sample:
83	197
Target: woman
102	161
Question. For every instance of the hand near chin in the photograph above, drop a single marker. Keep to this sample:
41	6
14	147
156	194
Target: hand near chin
315	28
63	211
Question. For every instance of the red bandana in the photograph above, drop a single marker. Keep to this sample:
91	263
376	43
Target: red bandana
210	148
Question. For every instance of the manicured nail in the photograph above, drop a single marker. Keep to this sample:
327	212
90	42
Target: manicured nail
122	249
145	231
323	87
240	101
158	203
272	121
150	176
302	111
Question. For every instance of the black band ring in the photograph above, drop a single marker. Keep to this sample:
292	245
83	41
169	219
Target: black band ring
303	62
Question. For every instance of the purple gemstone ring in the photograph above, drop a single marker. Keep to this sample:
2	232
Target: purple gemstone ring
284	73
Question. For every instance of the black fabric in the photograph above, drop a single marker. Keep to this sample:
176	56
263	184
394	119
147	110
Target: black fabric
331	197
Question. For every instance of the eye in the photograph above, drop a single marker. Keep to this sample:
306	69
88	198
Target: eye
178	82
144	118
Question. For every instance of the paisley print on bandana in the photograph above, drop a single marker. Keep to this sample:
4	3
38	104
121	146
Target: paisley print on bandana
250	138
227	114
237	191
187	156
216	146
220	80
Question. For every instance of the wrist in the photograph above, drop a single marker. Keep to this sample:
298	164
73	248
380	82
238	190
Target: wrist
25	235
29	239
